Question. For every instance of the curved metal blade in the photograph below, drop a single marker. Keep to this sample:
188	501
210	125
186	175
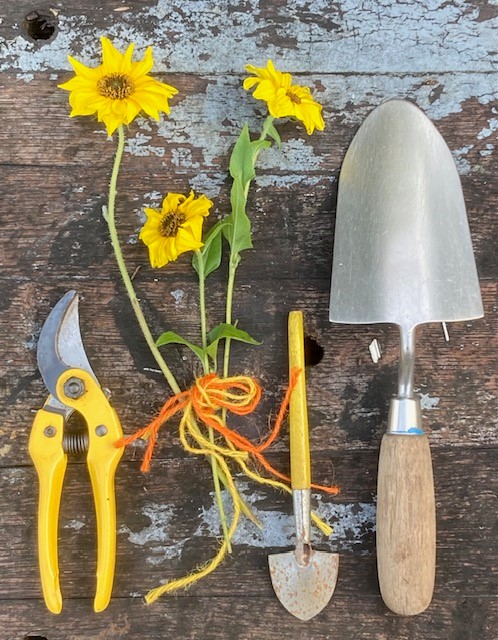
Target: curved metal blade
304	591
60	346
402	248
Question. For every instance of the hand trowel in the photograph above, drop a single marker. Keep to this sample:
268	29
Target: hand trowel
403	255
304	579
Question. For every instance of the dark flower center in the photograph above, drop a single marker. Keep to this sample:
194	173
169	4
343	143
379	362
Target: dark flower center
293	97
170	224
116	86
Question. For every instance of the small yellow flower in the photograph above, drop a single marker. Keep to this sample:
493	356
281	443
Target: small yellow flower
283	98
175	229
118	89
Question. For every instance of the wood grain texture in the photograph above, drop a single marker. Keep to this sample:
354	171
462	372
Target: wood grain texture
167	525
197	617
54	174
406	524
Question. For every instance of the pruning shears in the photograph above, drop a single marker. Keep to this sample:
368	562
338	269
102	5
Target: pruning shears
73	386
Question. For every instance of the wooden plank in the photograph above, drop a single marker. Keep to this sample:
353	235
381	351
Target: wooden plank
348	393
58	230
192	618
167	525
196	36
251	618
209	111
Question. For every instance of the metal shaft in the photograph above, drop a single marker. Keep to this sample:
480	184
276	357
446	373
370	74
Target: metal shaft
406	362
301	499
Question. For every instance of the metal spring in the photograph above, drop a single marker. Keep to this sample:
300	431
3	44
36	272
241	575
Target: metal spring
75	442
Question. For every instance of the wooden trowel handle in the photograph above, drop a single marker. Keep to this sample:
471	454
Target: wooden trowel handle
406	523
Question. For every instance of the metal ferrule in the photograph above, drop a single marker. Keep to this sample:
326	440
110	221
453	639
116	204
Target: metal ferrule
301	499
405	417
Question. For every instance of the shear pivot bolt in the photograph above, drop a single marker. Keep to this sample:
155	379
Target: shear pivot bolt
50	432
74	388
101	430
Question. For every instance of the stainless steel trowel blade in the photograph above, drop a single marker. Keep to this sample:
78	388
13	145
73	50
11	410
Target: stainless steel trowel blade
402	248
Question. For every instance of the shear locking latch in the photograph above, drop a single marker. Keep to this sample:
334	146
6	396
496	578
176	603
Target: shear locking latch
73	387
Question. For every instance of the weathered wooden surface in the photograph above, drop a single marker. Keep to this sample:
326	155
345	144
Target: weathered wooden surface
54	173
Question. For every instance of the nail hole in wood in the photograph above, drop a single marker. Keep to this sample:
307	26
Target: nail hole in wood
313	352
40	25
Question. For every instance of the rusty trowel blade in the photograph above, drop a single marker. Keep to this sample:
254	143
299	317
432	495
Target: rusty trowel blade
304	590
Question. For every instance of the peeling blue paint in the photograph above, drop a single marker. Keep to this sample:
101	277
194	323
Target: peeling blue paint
317	36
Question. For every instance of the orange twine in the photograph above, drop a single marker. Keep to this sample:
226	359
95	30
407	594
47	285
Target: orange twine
209	394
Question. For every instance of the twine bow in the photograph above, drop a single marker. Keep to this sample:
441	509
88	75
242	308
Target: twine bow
209	394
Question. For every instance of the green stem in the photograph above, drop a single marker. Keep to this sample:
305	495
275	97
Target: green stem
111	222
266	127
205	364
202	309
109	215
234	263
232	268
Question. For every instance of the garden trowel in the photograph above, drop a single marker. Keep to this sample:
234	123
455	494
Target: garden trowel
403	255
304	579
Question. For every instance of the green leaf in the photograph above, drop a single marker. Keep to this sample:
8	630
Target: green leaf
274	134
238	231
210	253
170	337
241	165
225	330
242	170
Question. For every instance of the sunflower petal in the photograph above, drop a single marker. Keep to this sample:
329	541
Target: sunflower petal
153	214
150	104
150	85
250	82
111	58
264	91
184	242
133	108
142	68
198	207
172	202
111	122
149	234
126	63
191	230
83	71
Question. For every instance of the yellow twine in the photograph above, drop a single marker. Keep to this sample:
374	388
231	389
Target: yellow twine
240	395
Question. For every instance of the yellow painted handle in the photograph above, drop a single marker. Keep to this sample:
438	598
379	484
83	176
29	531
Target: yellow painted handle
298	413
104	428
45	449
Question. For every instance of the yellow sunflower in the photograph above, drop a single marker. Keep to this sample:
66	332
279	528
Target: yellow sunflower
118	89
283	98
175	229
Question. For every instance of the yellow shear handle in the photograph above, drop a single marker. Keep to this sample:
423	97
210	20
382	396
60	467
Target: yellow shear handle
45	449
298	413
104	428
